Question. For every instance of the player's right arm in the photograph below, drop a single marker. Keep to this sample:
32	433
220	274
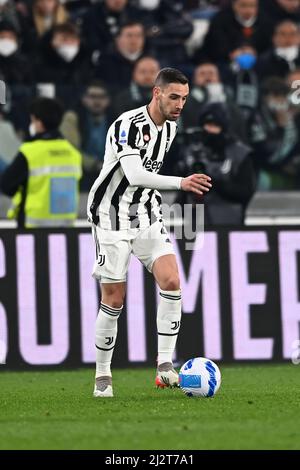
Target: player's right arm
197	183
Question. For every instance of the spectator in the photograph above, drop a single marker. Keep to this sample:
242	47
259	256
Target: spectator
63	61
44	15
9	141
16	71
241	24
167	27
15	109
115	68
86	129
284	56
43	178
279	10
139	92
14	67
9	14
102	23
216	151
276	139
207	87
242	82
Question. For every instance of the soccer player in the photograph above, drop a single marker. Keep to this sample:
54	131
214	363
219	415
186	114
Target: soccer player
124	207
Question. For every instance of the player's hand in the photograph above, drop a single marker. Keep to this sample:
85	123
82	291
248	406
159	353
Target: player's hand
197	183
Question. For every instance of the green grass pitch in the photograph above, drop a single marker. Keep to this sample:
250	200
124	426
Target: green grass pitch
257	407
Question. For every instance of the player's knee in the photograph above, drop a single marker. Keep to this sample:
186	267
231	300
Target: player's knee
115	304
171	283
114	301
113	297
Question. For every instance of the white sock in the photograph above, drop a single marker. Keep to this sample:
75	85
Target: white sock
106	335
168	324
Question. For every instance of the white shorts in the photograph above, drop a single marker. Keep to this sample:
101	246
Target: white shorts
114	248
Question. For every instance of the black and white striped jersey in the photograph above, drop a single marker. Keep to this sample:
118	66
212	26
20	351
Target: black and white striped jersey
113	204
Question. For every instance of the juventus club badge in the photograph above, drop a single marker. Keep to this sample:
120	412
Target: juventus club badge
101	260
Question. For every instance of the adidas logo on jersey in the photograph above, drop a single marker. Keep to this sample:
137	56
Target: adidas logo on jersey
152	165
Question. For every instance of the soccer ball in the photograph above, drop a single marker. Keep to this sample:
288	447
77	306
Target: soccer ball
200	377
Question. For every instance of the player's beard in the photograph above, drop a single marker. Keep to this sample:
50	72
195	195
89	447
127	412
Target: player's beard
166	116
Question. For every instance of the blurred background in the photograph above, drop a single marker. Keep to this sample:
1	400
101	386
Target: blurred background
100	58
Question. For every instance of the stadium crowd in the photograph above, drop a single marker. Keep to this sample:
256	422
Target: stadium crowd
100	57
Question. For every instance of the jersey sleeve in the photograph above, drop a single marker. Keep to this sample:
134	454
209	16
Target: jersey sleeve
126	138
138	176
